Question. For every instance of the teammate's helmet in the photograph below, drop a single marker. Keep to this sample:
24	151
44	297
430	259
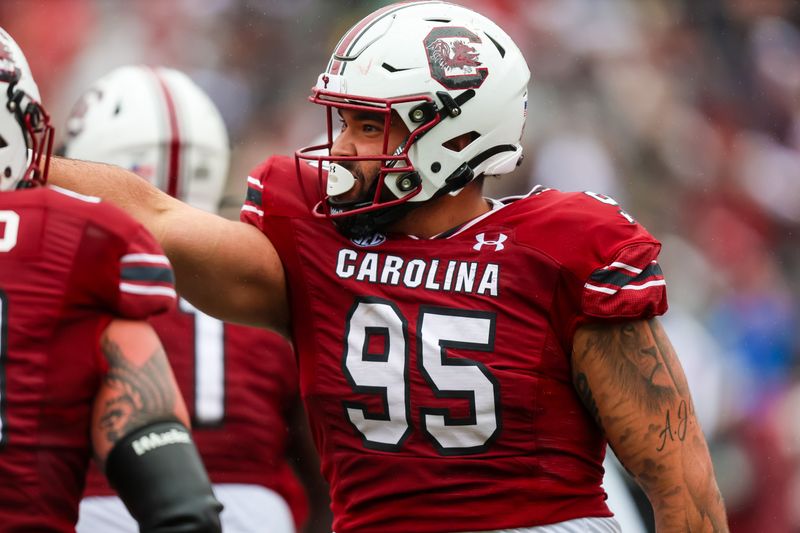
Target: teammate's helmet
158	123
447	72
26	137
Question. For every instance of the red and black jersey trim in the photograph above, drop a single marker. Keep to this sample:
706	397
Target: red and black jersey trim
253	196
147	273
621	278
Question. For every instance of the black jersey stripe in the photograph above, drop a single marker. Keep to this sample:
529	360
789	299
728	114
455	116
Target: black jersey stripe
147	273
620	278
254	196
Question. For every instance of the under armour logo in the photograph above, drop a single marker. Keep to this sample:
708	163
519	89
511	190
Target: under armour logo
498	244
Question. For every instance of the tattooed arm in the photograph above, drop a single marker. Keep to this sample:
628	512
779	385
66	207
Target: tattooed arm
630	379
138	389
141	440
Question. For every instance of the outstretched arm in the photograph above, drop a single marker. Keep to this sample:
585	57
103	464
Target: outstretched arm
631	381
226	268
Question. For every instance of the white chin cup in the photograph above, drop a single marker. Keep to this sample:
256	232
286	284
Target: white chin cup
340	180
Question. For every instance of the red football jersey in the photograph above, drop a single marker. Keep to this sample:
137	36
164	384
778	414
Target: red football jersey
68	265
436	373
239	384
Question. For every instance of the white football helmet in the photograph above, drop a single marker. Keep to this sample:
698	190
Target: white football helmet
158	123
26	137
447	72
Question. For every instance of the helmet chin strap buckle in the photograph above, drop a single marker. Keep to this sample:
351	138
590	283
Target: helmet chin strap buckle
452	106
453	109
340	180
458	179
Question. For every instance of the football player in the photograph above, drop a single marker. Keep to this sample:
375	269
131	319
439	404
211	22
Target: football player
81	373
463	360
239	383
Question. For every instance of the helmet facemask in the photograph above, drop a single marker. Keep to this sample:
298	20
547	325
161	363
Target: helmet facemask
38	135
378	205
26	123
454	78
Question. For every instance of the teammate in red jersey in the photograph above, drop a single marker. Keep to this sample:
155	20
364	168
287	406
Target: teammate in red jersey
240	383
81	373
463	360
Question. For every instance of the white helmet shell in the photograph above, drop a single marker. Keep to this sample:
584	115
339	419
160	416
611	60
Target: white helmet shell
459	60
25	133
158	123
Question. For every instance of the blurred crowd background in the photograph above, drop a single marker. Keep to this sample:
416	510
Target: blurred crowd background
685	111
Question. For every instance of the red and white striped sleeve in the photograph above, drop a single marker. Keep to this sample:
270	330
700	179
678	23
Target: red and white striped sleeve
252	210
146	282
632	285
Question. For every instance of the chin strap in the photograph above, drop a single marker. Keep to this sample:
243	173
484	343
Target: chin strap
363	225
366	224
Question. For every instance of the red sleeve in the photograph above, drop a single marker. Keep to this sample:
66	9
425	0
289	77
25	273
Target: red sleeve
631	285
146	282
275	190
611	260
120	269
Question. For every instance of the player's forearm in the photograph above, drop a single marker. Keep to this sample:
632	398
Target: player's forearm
111	183
138	389
631	380
670	461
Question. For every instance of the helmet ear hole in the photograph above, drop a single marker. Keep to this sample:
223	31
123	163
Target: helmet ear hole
459	142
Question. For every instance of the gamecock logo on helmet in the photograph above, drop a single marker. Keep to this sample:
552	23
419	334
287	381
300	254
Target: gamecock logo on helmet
454	58
9	72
